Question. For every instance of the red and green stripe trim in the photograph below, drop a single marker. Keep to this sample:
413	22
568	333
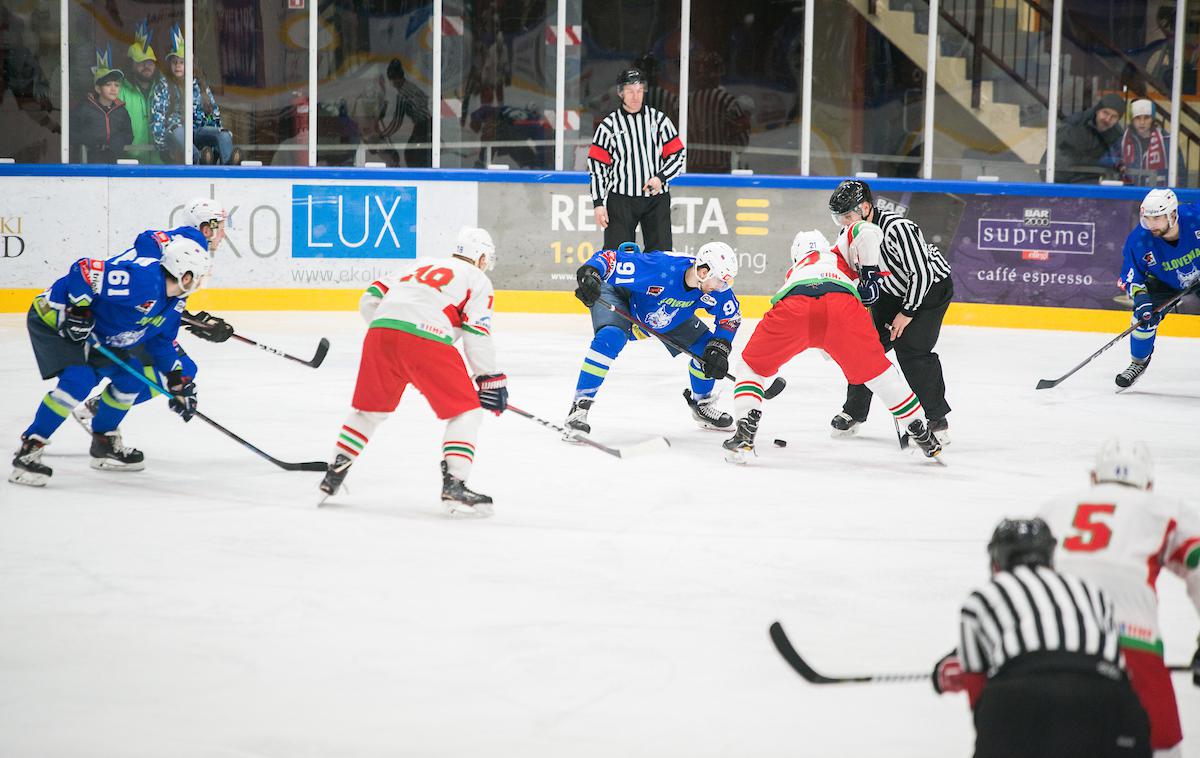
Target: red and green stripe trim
461	449
908	407
378	289
351	441
749	389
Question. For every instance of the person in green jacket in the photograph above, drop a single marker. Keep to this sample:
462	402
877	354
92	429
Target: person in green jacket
135	92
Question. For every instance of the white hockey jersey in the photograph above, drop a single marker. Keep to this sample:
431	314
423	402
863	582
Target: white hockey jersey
1120	537
441	299
857	246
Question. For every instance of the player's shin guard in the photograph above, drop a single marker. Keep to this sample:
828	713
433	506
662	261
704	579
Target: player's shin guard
356	432
1141	342
113	406
702	385
605	348
898	396
74	384
458	446
748	393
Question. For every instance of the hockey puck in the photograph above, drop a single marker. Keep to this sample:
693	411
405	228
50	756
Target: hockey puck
780	443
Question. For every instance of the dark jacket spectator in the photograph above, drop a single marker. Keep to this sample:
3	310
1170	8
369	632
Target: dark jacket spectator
1085	142
101	124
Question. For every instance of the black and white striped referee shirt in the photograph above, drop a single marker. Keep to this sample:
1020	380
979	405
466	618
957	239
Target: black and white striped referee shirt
1035	609
629	148
915	265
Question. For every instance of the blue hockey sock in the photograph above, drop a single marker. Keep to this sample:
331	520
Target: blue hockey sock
114	404
702	385
605	348
1141	342
74	384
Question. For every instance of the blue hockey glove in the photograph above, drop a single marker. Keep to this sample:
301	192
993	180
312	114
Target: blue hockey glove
183	394
493	392
588	290
868	284
716	358
1143	310
75	324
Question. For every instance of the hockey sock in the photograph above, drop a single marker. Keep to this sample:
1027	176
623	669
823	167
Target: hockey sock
897	395
748	393
458	446
605	348
114	404
356	432
1141	342
702	385
74	384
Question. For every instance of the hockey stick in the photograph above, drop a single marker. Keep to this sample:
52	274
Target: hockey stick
776	387
641	448
784	646
317	359
1045	384
307	466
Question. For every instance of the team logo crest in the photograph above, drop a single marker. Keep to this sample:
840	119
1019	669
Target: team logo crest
654	290
1149	258
661	318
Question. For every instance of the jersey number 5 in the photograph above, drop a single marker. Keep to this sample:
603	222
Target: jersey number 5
434	277
1093	534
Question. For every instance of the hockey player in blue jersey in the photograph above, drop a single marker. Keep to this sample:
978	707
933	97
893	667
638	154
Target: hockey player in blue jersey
1161	259
661	290
132	306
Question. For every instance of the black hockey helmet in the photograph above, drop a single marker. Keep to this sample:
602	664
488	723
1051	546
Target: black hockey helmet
631	76
849	195
1021	542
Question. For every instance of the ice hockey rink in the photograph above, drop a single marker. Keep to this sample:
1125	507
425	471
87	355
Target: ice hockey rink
207	608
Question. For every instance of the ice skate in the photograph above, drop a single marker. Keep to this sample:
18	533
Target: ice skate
110	454
459	500
28	468
845	425
941	429
1136	368
85	411
707	416
925	439
577	419
334	476
740	446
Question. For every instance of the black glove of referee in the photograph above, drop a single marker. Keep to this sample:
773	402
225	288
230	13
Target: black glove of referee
588	290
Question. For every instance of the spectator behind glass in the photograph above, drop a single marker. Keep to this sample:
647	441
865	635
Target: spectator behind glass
166	121
1144	152
411	102
1086	141
719	124
100	125
135	93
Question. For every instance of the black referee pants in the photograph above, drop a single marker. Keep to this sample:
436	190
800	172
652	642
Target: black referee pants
914	351
626	212
1060	714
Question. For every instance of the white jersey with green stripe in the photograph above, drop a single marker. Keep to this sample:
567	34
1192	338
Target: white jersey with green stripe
440	299
857	246
1120	537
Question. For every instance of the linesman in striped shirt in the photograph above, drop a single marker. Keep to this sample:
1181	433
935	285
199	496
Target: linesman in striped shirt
1039	658
908	313
635	153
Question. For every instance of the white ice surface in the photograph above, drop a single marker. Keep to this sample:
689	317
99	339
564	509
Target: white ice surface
206	607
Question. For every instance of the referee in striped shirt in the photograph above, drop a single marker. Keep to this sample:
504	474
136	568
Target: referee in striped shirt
635	153
908	314
1039	658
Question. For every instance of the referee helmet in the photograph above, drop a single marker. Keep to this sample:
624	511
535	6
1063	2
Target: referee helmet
1021	542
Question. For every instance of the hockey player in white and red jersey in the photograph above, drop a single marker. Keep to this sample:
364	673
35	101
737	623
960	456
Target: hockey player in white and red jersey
415	316
821	306
1120	535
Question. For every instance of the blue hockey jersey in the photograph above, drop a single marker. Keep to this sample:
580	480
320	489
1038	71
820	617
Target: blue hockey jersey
657	295
149	244
128	297
1175	265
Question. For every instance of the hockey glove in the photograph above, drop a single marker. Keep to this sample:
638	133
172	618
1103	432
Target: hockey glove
183	394
75	324
1143	310
210	328
493	392
1196	664
716	358
868	284
588	290
948	674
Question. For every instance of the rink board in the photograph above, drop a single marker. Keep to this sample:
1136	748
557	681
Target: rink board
312	239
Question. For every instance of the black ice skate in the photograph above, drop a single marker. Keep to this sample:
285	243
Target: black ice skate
86	411
741	444
705	414
335	474
845	425
110	454
1130	375
459	500
28	468
924	439
577	419
941	429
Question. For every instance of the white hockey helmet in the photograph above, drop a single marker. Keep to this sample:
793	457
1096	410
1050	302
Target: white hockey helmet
1158	202
722	263
181	256
473	242
201	210
1124	462
805	243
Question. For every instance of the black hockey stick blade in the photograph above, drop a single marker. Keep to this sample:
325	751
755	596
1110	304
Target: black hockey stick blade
285	465
801	667
322	351
777	386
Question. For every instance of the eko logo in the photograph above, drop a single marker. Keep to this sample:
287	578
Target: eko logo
354	222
